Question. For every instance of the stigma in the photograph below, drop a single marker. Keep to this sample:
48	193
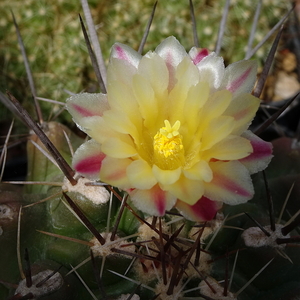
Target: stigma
168	147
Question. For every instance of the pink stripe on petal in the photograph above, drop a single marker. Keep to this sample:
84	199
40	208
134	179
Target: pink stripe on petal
126	54
160	200
239	81
154	201
242	114
201	54
203	210
90	165
171	69
261	155
83	111
260	149
231	186
113	171
260	158
231	183
172	52
119	174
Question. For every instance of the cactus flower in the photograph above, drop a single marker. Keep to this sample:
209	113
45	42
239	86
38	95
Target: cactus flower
172	130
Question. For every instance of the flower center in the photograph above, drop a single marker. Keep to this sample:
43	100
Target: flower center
168	148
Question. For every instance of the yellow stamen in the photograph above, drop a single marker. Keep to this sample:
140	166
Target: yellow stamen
168	148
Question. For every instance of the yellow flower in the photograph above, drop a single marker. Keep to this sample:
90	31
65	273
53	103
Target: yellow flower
172	130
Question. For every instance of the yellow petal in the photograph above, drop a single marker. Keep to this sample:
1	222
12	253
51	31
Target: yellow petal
196	98
166	177
187	75
120	147
186	190
97	129
216	130
121	123
215	106
243	109
120	70
147	101
154	69
200	171
230	148
140	175
122	100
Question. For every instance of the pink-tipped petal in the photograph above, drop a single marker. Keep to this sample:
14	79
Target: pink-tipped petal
197	54
154	201
261	156
87	160
231	183
86	105
124	52
203	210
240	77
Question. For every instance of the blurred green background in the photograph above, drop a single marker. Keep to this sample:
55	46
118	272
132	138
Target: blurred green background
58	55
